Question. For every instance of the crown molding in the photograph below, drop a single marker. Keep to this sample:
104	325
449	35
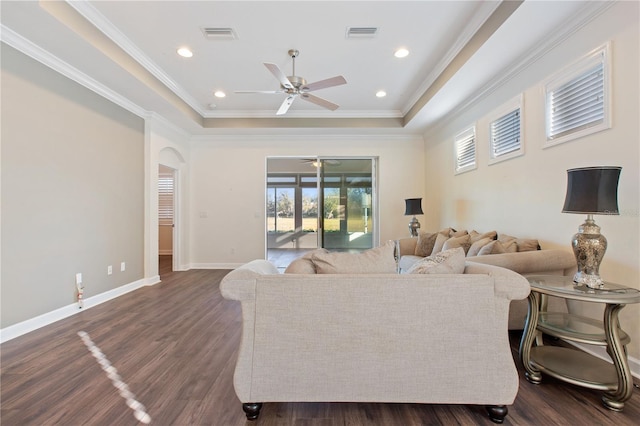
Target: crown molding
305	114
365	138
34	51
98	20
470	30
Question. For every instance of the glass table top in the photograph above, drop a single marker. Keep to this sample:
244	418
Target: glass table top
563	286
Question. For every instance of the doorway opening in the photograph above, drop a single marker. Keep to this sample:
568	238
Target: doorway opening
166	218
319	202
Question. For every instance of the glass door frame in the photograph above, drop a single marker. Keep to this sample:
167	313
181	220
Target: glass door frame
375	229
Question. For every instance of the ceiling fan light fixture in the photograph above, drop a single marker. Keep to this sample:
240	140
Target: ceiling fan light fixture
401	53
185	52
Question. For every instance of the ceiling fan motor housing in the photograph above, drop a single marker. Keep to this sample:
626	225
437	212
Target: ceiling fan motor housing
296	81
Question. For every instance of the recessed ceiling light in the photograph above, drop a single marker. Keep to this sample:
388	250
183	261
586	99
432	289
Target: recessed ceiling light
185	52
401	53
219	94
381	93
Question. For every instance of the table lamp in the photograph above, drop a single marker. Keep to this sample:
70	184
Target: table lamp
413	207
591	190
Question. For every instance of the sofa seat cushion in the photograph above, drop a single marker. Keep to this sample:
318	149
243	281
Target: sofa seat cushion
407	261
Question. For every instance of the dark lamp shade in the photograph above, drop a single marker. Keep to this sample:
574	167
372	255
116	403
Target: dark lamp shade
413	206
592	190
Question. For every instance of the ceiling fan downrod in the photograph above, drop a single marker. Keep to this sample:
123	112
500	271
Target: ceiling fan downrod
294	54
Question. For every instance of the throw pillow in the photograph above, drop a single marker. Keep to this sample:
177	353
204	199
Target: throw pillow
379	260
455	233
476	236
498	247
440	240
304	264
424	245
527	244
446	262
474	250
505	237
463	242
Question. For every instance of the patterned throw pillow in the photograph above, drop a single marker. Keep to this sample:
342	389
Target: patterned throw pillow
446	262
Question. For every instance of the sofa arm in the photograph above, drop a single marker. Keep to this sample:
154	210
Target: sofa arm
240	284
508	284
543	262
407	246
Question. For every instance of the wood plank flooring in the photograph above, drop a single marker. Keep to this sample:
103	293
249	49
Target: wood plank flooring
174	345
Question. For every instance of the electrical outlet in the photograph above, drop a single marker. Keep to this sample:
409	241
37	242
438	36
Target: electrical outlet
109	270
123	266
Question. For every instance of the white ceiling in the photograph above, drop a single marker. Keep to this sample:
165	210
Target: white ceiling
127	50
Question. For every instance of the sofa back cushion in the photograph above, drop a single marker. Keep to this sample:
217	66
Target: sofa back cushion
379	260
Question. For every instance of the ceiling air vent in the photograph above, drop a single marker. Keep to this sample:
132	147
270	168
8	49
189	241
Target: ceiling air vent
362	32
215	33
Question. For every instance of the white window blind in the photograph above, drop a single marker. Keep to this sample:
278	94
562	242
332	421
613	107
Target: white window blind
506	135
465	150
576	102
165	198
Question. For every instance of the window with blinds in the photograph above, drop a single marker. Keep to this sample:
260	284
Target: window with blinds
577	101
505	132
465	150
165	198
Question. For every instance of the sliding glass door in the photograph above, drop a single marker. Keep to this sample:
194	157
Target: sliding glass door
347	220
320	202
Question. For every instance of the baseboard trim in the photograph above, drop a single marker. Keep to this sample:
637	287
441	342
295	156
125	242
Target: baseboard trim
600	352
40	321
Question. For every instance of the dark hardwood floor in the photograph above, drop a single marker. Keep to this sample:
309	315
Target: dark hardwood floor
173	347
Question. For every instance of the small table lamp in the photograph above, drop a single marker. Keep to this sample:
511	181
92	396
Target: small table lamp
413	207
591	190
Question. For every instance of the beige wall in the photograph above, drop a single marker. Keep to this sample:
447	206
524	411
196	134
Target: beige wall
72	190
524	196
228	188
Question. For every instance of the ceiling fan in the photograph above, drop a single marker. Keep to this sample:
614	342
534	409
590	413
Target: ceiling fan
294	86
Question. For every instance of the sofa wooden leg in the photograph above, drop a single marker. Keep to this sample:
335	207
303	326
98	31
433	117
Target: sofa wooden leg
252	409
497	413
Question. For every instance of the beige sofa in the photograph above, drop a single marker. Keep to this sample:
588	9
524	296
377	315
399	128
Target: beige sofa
383	337
535	262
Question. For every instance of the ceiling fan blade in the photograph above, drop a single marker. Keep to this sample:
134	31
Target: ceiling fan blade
268	92
319	101
285	105
275	70
323	84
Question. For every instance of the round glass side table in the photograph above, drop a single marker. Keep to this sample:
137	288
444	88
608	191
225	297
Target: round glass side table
573	365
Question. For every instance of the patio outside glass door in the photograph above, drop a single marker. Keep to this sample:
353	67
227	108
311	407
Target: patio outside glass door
347	219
